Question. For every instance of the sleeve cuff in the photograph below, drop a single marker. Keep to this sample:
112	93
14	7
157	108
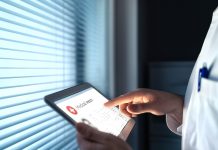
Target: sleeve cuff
173	125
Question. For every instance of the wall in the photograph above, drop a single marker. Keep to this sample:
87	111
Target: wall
125	41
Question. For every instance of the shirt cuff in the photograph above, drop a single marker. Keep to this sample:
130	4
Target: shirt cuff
173	125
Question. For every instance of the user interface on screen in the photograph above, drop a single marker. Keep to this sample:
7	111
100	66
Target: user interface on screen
88	106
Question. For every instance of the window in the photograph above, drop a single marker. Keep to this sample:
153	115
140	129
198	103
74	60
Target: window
46	46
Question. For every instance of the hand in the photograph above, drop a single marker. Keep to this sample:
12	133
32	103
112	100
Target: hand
91	139
151	101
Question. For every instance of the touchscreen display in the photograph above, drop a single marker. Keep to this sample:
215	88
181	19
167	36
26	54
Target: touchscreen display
88	106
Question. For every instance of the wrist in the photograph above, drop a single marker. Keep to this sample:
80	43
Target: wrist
177	112
174	118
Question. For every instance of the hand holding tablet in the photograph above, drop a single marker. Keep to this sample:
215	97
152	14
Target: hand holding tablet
83	103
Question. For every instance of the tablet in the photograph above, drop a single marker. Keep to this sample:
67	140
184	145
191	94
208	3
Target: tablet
83	103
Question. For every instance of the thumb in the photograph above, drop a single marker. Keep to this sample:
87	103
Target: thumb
91	133
139	108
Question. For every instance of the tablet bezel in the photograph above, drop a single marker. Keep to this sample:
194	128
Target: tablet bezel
52	98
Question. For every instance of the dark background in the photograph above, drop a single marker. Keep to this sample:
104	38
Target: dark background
173	29
169	30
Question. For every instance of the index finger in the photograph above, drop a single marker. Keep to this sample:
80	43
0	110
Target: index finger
120	100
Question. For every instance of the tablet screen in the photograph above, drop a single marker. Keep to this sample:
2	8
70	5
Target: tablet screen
88	106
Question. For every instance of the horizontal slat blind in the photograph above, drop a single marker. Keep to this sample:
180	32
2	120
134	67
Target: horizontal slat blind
95	65
37	57
46	46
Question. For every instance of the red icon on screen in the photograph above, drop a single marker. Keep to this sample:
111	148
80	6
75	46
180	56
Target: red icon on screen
71	110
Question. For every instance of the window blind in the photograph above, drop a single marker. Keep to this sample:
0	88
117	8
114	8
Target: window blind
96	55
42	50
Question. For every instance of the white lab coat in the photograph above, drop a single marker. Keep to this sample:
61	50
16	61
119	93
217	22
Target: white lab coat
200	115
